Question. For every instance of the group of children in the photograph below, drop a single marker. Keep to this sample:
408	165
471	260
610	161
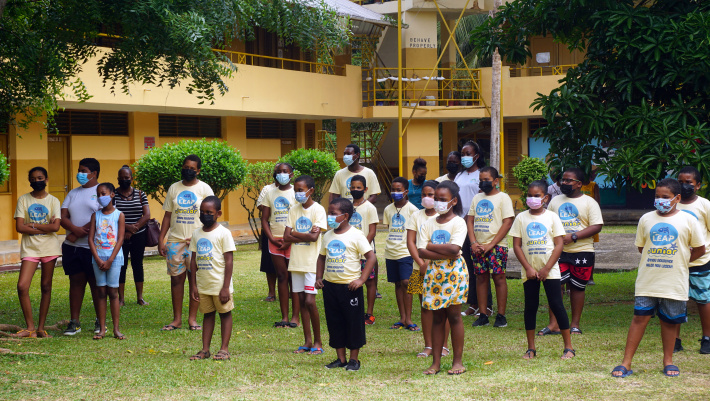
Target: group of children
333	250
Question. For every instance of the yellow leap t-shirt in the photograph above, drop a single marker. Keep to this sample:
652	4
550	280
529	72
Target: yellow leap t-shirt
417	221
666	241
488	213
304	255
38	211
700	209
341	183
280	202
537	234
343	253
209	249
452	232
184	204
364	215
396	242
576	215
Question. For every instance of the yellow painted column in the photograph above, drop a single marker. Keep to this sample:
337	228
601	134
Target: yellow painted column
234	132
421	140
449	138
343	137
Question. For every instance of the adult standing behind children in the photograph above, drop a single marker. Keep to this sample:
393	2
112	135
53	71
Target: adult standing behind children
277	205
467	180
582	219
37	218
133	203
77	209
303	228
415	184
397	258
181	219
267	265
341	182
453	166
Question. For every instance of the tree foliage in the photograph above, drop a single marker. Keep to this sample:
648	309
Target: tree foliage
223	168
320	165
258	176
639	103
528	170
44	44
4	169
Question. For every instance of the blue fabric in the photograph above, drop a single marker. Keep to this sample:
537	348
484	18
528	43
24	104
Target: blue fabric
415	194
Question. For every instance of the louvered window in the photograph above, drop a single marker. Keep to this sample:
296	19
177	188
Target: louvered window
190	126
260	128
80	122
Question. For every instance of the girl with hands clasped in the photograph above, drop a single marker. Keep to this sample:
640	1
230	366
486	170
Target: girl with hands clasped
537	240
106	232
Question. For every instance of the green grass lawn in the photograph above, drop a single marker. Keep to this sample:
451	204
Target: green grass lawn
152	364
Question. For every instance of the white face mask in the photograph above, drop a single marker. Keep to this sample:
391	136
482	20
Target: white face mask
442	207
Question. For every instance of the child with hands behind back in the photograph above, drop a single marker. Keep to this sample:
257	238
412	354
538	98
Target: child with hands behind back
537	240
106	231
339	274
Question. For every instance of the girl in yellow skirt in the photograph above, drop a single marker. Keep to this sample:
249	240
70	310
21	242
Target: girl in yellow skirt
446	279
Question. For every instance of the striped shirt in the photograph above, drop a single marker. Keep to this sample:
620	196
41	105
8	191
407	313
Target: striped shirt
132	207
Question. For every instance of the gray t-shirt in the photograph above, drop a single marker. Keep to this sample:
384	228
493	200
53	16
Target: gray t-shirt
81	203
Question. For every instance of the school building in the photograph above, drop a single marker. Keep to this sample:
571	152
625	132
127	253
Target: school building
281	95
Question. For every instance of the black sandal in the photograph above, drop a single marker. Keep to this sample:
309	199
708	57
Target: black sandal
534	353
566	350
281	324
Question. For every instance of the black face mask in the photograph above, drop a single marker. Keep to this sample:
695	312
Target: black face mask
421	179
124	184
566	189
38	185
357	194
187	174
452	168
687	191
485	186
207	220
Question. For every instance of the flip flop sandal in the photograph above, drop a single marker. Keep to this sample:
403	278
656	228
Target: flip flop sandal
624	372
291	325
221	356
98	336
281	324
530	350
423	354
547	332
316	351
456	372
30	334
200	356
430	372
169	327
413	327
448	351
397	326
671	368
195	328
301	350
269	299
575	330
43	334
566	350
121	337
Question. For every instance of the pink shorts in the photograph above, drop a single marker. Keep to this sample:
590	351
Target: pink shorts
43	259
286	253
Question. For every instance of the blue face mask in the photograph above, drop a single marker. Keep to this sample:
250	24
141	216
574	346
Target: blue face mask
283	178
82	178
397	196
467	161
663	205
348	160
332	223
301	197
104	200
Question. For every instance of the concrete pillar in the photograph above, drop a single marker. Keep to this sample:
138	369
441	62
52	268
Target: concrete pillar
342	132
234	132
421	140
449	138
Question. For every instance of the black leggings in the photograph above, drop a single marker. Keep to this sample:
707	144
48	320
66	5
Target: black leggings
472	291
553	290
136	247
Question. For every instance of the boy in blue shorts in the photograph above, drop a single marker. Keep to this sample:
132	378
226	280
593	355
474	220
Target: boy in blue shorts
668	241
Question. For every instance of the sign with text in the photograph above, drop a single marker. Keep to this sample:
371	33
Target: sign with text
148	142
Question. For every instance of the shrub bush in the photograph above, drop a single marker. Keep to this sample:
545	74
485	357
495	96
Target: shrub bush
320	165
528	170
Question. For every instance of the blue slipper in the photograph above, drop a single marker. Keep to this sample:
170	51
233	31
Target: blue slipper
413	327
397	326
301	350
671	368
624	372
315	351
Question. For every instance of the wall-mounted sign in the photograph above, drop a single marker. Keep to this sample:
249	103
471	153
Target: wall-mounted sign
421	43
148	142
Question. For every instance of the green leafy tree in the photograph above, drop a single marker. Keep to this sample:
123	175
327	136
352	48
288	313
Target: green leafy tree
639	102
223	168
4	169
44	44
320	165
528	170
257	177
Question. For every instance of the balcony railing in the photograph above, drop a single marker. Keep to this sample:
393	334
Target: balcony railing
283	63
539	71
442	87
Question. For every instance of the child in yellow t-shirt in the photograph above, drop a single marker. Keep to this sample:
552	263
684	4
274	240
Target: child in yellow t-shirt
211	265
668	241
340	276
303	227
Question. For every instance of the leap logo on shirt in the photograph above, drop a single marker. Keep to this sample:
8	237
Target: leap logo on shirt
690	213
38	213
336	248
204	246
484	207
303	225
281	204
356	220
663	234
398	221
536	230
186	199
440	237
347	183
568	211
